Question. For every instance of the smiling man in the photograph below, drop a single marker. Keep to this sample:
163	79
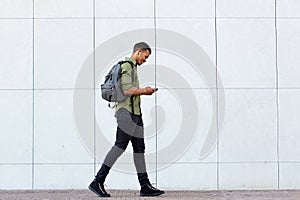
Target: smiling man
130	125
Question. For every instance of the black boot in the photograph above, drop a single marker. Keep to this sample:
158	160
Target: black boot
148	190
98	188
102	173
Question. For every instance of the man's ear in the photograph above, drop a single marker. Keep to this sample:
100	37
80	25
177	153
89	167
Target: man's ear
139	52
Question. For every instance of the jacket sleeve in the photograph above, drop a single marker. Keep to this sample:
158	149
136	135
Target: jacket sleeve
126	71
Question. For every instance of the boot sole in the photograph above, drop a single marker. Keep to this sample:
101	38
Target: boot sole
151	195
98	194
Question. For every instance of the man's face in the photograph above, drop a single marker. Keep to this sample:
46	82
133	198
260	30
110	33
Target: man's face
142	56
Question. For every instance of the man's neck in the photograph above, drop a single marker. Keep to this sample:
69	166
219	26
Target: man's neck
133	57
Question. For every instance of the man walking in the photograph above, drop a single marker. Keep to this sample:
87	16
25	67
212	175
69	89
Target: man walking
130	125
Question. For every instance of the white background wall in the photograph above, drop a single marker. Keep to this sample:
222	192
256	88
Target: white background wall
255	45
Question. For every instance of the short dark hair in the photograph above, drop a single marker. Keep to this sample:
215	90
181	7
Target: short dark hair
141	46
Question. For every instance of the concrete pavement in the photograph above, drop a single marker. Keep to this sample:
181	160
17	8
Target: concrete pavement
132	194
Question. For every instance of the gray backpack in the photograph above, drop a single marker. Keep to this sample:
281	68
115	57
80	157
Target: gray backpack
111	89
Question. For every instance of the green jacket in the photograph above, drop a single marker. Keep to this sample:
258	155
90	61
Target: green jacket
126	84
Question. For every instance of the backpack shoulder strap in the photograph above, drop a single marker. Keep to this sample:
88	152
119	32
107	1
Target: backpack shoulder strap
132	80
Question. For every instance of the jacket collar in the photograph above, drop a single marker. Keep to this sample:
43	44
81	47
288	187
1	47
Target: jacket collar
131	60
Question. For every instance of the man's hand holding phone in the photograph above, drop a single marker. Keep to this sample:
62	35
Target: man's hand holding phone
149	90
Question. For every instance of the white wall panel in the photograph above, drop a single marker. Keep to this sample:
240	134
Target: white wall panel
246	53
16	126
11	173
183	176
288	9
289	176
244	8
63	8
289	113
16	51
60	176
190	8
16	9
61	47
288	53
248	176
249	131
121	9
57	139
